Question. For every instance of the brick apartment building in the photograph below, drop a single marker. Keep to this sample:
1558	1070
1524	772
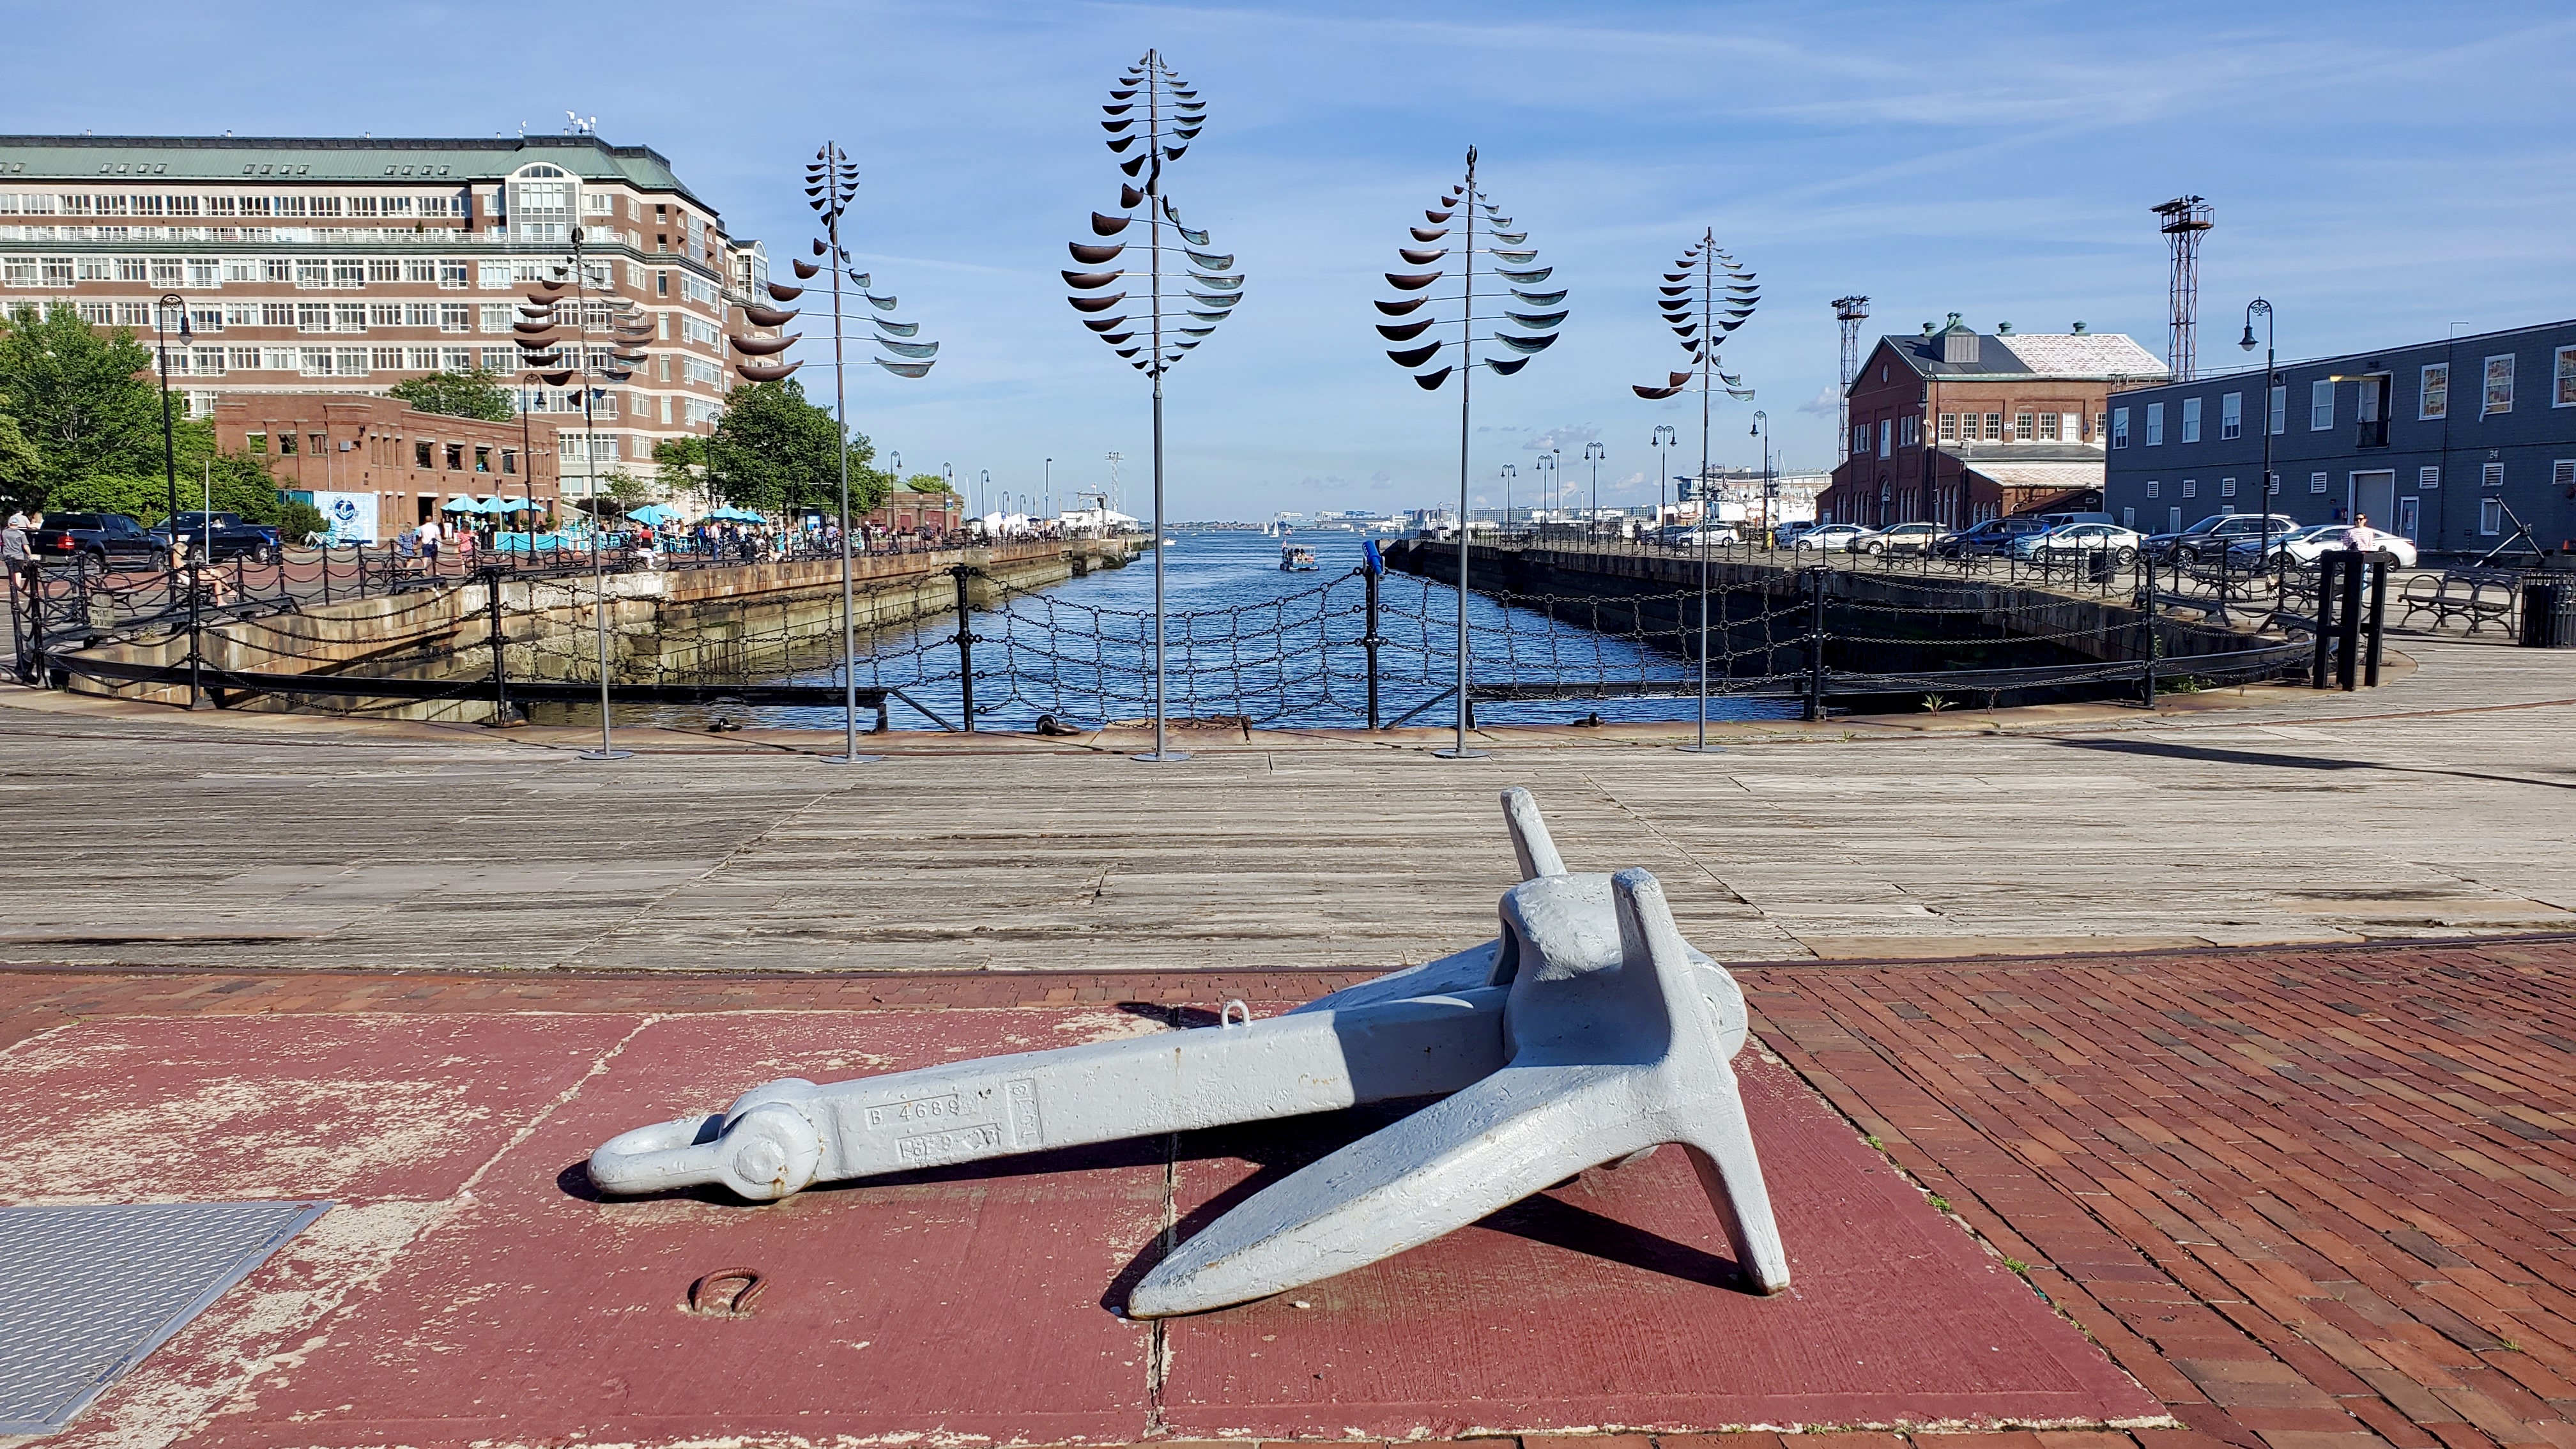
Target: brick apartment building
338	267
373	465
1957	426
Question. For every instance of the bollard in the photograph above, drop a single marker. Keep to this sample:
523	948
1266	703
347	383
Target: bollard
2348	623
2153	643
2327	563
2378	616
1369	642
500	685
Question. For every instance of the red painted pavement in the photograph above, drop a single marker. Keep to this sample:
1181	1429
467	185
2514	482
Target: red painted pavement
1610	1302
972	1304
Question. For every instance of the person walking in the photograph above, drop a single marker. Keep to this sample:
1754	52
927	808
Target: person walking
17	556
429	544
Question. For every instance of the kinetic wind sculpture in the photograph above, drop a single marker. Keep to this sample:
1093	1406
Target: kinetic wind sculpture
1153	117
554	333
1705	296
1523	323
831	183
1588	1032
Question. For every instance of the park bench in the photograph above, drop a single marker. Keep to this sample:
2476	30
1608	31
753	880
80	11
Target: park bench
2474	597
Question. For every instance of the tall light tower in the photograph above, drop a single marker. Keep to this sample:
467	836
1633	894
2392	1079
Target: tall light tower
1850	312
2184	219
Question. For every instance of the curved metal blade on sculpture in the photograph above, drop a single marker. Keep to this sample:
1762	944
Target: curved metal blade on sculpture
1653	392
761	316
1401	306
1211	261
1194	238
1187	132
1428	233
1506	365
763	373
1412	357
1430	381
1222	284
1095	255
1097	304
1089	281
1105	225
903	369
1411	281
1116	339
1118	110
883	304
1677	379
1195	332
1525	278
1421	257
1437	217
910	349
1130	195
1404	331
1228	300
781	292
1210	316
1527	344
1173	153
1537	319
896	329
1114	127
1132	167
1510	238
804	268
1539	299
1518	259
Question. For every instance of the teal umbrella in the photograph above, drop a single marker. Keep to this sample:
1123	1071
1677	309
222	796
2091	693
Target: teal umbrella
653	515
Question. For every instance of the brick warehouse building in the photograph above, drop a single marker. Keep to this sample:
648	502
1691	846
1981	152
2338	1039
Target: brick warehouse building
372	464
2439	441
339	267
1957	426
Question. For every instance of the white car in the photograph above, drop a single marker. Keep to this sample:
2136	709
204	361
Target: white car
2122	544
1831	536
2304	545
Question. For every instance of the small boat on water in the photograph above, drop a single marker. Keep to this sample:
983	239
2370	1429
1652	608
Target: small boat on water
1296	558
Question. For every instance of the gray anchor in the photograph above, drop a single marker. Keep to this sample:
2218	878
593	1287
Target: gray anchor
1589	1032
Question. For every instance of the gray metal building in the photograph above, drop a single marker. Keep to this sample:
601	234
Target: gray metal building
2446	442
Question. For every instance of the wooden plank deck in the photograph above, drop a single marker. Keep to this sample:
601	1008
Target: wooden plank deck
2437	806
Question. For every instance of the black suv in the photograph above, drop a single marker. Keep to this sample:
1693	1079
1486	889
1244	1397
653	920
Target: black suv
2215	535
1993	537
214	537
98	538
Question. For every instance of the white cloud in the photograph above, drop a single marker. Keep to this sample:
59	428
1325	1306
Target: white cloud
1825	404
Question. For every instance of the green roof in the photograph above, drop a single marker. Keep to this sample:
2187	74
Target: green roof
333	159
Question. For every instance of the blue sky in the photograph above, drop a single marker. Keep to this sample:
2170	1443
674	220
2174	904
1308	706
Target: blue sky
2380	171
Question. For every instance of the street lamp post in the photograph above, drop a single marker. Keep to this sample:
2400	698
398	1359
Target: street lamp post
2259	307
1762	428
170	302
1555	473
1509	473
1546	466
1593	453
1665	436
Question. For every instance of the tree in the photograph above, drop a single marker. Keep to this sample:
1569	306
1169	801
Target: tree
679	465
927	483
774	451
21	466
626	490
82	397
473	394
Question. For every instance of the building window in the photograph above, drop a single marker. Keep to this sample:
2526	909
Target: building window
2048	427
2231	416
1860	438
1886	437
509	460
1949	427
496	317
483	459
2321	406
2433	392
2191	488
2119	427
2191	420
2566	396
2128	518
2025	427
2491	476
2155	424
2316	482
1910	430
255	442
420	455
286	445
2428	479
455	457
1994	427
2153	487
2226	487
2562	474
2278	417
455	317
2499	384
2490	516
661	284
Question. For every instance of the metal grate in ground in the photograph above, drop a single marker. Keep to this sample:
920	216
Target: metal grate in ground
87	1291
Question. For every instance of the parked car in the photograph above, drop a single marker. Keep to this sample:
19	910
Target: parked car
100	539
2303	545
1786	535
1829	537
1899	539
2060	520
2080	538
2215	535
214	537
1991	538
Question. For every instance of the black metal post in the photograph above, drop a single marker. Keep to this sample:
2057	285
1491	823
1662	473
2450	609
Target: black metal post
2327	563
500	682
2153	644
966	646
2378	615
1816	645
2348	626
1369	642
196	654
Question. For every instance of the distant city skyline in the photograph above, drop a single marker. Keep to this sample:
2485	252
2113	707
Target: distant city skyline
2380	173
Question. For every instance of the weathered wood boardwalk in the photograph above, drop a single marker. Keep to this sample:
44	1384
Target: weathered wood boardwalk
2439	805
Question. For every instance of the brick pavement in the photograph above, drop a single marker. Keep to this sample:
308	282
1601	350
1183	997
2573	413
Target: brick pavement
2317	1199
